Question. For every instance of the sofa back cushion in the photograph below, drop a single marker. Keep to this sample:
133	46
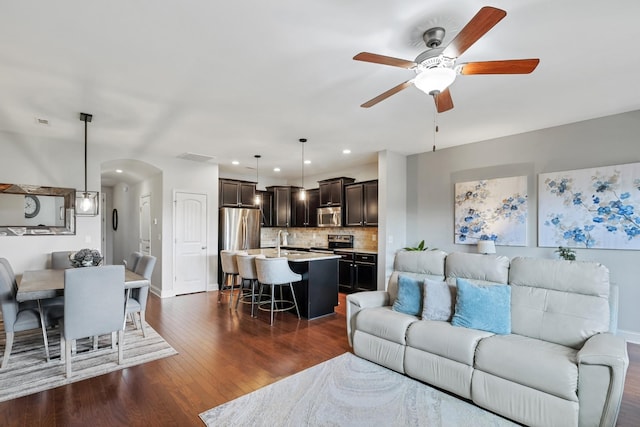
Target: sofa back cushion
477	268
419	265
564	302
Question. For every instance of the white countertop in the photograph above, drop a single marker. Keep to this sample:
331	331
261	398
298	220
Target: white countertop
350	250
292	255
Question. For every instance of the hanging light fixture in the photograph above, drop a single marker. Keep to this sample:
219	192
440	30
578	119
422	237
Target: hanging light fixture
86	201
303	192
257	200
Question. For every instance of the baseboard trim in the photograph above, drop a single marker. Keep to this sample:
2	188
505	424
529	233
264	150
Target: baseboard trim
630	336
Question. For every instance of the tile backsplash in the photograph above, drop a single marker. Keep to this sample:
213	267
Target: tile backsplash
363	237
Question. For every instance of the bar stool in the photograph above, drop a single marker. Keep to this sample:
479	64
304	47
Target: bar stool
247	271
230	270
276	272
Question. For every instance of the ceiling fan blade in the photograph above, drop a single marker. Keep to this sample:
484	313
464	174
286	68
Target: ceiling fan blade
387	94
443	101
384	60
484	20
512	66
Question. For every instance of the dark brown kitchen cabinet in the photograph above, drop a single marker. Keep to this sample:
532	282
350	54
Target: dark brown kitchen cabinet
266	208
357	271
237	194
332	191
305	214
284	207
361	204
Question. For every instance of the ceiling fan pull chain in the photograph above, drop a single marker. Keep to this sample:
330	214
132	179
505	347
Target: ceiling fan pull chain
435	124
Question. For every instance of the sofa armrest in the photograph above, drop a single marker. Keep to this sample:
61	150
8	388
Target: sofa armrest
360	300
602	351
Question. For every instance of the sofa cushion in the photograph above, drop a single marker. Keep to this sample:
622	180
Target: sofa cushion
541	365
417	264
443	339
564	302
409	300
484	307
439	300
477	268
384	323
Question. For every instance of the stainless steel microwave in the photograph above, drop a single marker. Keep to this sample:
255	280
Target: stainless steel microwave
330	217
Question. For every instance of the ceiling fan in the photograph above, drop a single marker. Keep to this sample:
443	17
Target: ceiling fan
436	68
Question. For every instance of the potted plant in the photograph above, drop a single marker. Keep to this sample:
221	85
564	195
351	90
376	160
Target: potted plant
567	254
420	247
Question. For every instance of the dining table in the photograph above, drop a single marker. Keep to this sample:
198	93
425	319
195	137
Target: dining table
38	285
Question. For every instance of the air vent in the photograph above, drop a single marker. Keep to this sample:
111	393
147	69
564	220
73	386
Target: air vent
41	121
202	158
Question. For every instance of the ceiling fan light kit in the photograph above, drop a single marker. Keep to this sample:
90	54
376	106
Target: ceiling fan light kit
436	68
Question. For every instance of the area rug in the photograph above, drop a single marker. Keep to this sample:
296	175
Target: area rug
349	391
28	372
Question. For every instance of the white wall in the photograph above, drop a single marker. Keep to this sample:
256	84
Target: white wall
599	142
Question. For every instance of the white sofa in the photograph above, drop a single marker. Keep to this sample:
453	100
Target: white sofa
559	366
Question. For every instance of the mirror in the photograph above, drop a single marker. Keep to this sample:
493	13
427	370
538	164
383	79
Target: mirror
31	210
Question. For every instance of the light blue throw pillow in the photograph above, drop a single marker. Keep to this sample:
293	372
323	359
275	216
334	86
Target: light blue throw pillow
409	300
487	308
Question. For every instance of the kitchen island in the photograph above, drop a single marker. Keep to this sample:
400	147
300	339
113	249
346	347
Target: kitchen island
317	292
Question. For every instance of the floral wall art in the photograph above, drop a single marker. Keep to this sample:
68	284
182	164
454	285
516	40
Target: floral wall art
491	209
590	208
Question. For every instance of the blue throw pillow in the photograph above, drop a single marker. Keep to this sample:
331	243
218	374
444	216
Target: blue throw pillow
409	300
487	308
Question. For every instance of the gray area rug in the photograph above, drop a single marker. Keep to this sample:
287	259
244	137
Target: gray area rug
28	372
349	391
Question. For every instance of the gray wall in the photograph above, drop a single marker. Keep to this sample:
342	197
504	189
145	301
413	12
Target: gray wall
599	142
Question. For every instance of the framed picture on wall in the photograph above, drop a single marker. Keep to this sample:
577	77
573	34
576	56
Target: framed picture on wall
590	208
491	209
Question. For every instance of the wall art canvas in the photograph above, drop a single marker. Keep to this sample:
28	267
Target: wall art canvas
590	208
491	209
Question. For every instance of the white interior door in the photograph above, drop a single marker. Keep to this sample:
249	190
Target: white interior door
145	225
190	251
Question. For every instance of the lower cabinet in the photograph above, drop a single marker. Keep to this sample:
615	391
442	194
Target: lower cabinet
357	272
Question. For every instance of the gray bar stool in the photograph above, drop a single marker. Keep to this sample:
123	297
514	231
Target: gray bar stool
276	272
247	271
230	270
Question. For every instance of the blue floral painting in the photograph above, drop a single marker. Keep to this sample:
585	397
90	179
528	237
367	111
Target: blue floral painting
492	209
590	208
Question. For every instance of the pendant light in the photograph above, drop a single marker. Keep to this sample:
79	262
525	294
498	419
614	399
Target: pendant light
86	201
257	200
303	192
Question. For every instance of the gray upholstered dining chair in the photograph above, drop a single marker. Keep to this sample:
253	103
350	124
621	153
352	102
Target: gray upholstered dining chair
247	272
93	305
137	301
16	316
230	273
60	260
132	261
274	272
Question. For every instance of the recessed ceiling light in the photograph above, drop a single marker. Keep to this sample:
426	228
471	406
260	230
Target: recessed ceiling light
118	170
235	162
276	169
307	162
346	151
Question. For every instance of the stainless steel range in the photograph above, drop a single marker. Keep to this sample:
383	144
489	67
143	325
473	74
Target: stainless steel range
338	241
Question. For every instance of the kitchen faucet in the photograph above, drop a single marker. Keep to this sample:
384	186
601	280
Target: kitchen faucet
281	234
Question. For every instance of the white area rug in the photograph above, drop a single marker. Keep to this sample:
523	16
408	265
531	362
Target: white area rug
349	391
28	372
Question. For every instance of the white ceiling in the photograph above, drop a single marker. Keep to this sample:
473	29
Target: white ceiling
234	79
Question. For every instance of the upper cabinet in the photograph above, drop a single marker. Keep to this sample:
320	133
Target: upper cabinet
361	204
282	212
266	208
305	214
332	191
237	194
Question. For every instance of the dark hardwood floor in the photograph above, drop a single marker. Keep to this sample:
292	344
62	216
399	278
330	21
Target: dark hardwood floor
222	355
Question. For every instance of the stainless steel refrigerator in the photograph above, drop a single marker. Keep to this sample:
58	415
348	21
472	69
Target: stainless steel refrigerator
239	229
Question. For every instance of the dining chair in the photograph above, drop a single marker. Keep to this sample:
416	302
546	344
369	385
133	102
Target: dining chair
275	272
16	316
60	260
230	273
132	260
137	298
247	272
93	306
